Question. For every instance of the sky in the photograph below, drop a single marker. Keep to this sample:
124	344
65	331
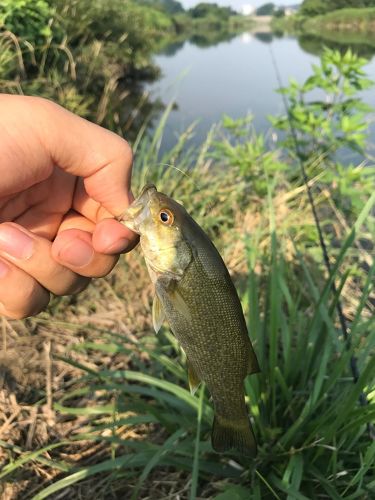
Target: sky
237	4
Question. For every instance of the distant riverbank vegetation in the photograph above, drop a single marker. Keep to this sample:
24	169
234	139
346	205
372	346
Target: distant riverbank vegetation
89	55
320	15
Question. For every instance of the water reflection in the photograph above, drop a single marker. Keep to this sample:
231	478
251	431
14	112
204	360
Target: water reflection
202	40
264	37
209	39
360	43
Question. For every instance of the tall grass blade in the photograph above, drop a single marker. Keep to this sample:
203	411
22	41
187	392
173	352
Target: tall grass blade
195	474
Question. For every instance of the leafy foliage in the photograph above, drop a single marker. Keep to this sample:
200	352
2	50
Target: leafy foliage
170	6
206	9
38	13
279	13
325	112
326	121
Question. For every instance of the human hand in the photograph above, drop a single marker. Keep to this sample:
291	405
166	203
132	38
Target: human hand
62	181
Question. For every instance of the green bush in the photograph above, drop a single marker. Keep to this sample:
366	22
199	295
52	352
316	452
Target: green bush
28	19
337	118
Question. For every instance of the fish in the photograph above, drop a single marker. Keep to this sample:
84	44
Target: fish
194	293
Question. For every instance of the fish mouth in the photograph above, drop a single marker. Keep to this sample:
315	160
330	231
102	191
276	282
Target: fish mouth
139	210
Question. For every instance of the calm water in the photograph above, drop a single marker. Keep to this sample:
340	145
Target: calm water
233	77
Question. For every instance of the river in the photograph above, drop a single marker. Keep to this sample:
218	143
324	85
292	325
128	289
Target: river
233	77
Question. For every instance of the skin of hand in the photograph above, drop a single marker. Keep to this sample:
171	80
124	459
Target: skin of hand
63	180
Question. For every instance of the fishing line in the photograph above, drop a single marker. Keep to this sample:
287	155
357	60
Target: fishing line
146	172
210	206
181	172
343	321
169	165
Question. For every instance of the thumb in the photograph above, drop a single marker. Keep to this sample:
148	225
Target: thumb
102	158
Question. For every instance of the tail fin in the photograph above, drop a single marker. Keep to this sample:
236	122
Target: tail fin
233	434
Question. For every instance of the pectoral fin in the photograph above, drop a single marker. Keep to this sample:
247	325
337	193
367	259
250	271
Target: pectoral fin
194	380
167	288
158	314
180	305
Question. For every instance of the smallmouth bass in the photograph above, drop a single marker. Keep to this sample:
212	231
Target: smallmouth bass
195	294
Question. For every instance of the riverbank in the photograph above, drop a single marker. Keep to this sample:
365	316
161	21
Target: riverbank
347	20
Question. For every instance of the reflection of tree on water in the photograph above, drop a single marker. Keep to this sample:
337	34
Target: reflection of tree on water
268	36
264	37
172	48
211	38
360	43
201	40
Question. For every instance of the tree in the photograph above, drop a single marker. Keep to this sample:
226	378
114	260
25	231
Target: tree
169	6
279	13
172	6
315	7
267	9
205	9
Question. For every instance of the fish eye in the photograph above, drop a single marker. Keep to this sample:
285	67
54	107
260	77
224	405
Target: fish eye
166	217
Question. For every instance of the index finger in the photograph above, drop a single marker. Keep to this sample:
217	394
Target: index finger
102	158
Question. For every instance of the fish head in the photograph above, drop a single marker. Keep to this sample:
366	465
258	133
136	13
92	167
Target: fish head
159	221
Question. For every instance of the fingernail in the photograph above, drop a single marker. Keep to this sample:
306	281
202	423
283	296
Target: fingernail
15	243
117	247
3	269
77	253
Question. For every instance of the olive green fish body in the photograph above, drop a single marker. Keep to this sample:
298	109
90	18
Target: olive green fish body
216	344
195	294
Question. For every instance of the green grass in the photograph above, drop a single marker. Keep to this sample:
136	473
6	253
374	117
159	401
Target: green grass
343	19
